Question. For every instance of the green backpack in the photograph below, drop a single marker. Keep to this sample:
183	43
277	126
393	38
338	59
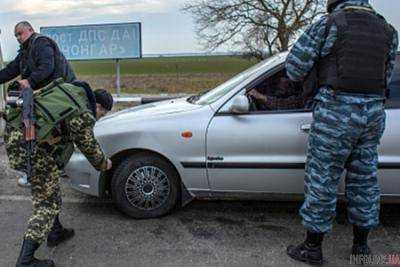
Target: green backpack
53	104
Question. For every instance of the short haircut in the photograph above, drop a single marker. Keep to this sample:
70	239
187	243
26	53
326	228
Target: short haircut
24	23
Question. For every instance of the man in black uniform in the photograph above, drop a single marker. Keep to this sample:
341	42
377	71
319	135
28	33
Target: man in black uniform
353	50
39	62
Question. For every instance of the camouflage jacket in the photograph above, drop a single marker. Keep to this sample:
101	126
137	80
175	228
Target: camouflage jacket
314	44
80	132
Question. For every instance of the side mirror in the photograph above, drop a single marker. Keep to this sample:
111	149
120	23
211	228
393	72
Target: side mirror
240	105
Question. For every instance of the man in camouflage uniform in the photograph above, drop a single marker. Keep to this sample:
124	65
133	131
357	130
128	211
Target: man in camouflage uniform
47	165
353	49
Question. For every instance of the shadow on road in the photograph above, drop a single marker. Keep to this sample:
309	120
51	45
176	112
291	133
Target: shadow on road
238	212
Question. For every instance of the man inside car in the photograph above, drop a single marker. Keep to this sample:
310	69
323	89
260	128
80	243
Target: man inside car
280	95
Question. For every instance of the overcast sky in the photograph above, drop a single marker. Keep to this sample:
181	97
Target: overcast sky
165	28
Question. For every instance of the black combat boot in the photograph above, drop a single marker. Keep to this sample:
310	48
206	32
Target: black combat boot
310	251
26	258
58	234
360	242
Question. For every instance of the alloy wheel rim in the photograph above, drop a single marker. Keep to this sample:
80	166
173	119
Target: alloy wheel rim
147	188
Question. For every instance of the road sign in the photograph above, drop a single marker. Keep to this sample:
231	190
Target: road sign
100	41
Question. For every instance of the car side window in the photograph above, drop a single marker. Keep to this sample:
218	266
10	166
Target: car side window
394	87
276	93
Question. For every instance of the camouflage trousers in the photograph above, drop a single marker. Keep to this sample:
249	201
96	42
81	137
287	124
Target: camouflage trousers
344	135
45	188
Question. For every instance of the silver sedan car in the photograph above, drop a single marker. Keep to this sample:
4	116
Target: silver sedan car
217	145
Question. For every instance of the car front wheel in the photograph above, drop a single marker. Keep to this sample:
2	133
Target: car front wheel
145	186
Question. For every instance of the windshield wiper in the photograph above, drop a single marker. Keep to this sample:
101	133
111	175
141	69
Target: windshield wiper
193	98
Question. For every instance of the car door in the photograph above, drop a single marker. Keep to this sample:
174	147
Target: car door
260	152
389	150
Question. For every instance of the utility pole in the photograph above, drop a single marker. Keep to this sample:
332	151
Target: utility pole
118	80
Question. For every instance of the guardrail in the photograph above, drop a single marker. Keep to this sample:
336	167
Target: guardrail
142	100
130	101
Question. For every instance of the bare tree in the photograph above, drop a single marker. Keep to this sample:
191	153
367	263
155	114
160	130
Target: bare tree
260	27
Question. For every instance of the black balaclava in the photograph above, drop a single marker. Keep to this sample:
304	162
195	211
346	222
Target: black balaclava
104	98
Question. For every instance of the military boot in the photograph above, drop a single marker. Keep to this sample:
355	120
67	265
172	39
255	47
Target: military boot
58	234
360	242
310	251
26	257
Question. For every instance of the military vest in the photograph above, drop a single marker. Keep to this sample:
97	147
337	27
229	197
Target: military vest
62	68
359	57
53	105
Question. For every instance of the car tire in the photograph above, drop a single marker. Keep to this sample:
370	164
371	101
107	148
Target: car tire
145	186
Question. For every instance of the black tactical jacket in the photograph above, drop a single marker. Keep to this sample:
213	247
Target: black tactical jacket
40	61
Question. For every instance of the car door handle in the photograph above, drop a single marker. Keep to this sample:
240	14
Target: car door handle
305	128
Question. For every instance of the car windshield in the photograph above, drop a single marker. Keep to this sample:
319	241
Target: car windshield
215	94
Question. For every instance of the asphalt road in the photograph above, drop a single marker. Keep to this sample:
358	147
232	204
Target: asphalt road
217	233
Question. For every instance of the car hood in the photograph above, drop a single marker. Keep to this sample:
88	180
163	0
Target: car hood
147	111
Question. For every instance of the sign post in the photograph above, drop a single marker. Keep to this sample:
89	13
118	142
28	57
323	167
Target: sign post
116	41
118	81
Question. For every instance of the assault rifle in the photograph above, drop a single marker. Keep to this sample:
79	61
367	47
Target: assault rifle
28	119
24	99
14	99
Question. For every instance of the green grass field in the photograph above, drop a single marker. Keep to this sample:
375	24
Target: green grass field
167	75
162	75
165	66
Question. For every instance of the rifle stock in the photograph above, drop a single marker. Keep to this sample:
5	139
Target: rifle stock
28	119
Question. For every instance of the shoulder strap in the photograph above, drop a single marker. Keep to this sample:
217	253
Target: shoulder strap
37	37
339	18
329	24
332	19
89	93
32	48
33	42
